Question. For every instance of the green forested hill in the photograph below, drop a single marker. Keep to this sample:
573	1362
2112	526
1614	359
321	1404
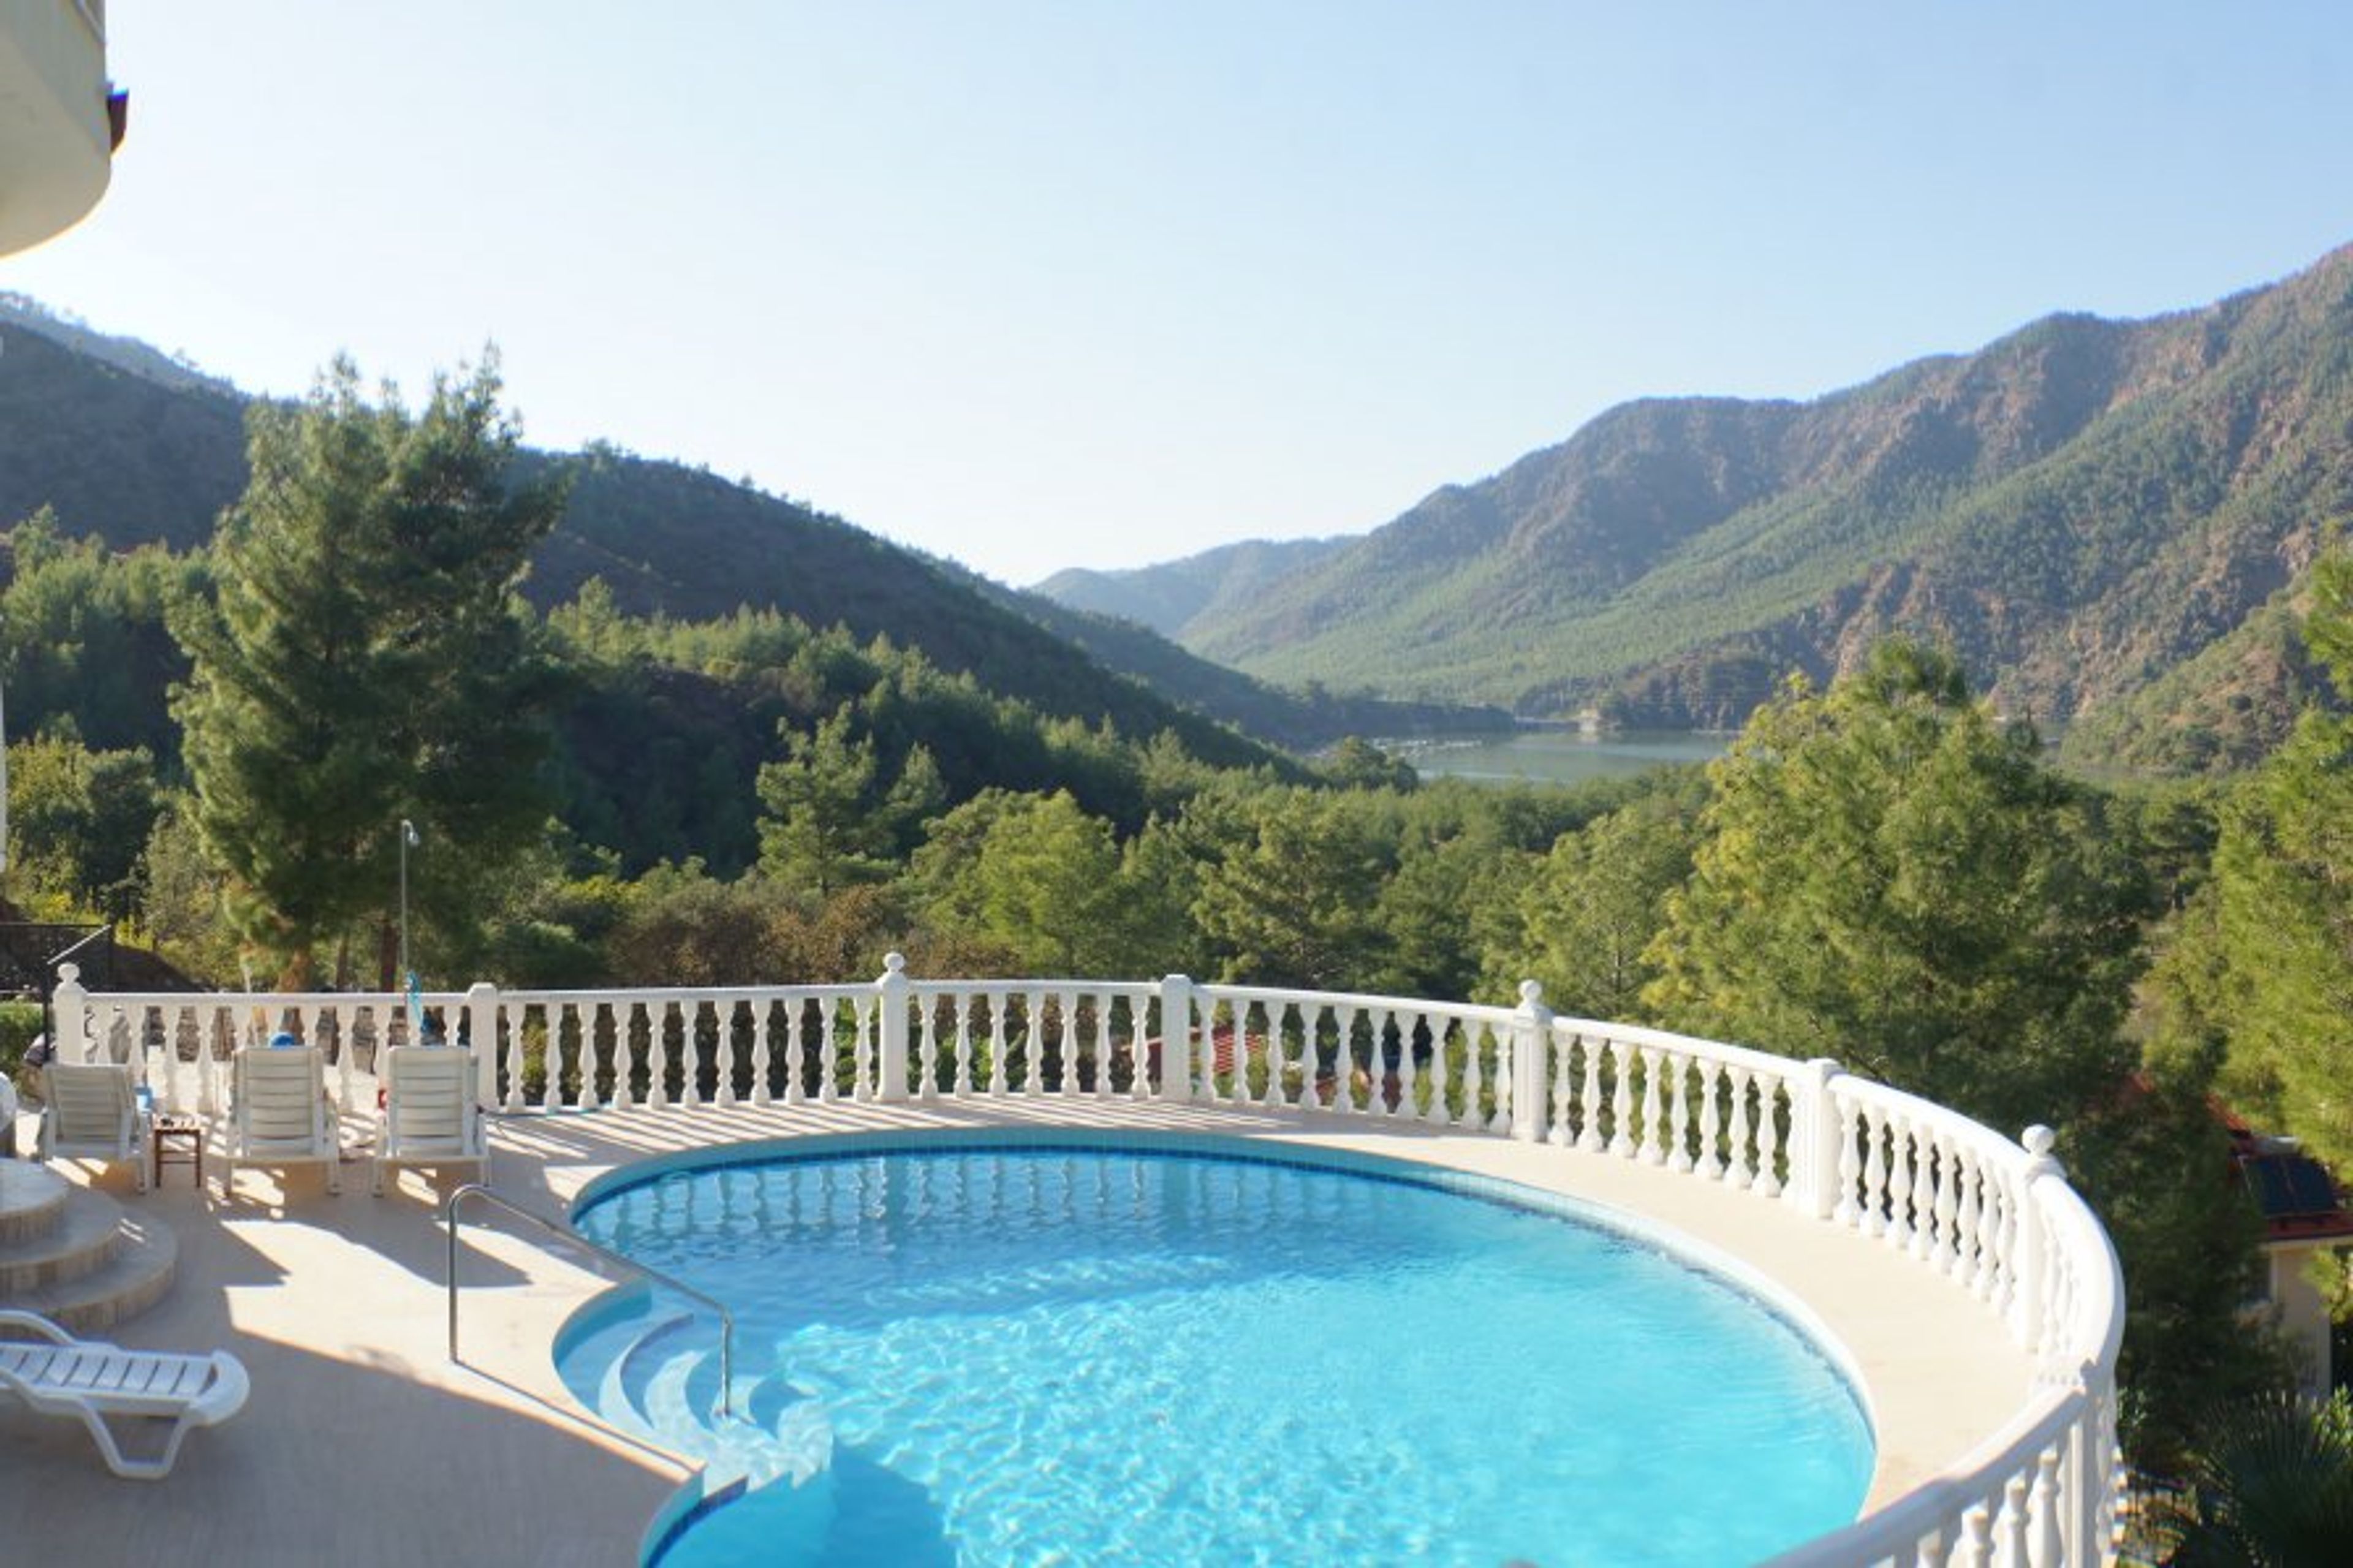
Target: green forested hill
1308	718
1171	597
114	449
124	444
2080	509
680	541
2222	708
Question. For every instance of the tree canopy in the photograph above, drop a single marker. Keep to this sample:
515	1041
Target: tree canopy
1583	921
2264	971
1889	875
363	661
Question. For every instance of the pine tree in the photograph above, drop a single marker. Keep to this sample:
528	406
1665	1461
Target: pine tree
1587	913
2281	988
1888	876
1288	891
1046	880
831	823
366	661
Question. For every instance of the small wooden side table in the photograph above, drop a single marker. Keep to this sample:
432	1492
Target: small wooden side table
179	1140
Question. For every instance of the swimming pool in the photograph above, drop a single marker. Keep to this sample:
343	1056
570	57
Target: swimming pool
1011	1353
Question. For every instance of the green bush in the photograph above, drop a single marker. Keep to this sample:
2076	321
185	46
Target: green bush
20	1024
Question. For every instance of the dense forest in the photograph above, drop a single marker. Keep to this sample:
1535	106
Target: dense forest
217	745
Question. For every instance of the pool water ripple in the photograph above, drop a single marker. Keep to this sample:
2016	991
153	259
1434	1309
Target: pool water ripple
1045	1355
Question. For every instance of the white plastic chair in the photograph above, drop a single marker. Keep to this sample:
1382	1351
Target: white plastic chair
97	1383
92	1112
430	1114
279	1114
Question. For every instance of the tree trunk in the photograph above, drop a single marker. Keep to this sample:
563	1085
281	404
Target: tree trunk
388	956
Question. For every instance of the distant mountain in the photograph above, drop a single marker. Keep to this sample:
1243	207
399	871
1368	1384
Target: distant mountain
1303	720
1171	598
2081	509
129	445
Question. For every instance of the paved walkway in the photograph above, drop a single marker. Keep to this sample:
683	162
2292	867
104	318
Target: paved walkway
362	1444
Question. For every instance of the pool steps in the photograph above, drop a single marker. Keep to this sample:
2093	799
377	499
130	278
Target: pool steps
660	1381
74	1255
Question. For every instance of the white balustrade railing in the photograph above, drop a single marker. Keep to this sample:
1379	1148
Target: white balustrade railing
1995	1218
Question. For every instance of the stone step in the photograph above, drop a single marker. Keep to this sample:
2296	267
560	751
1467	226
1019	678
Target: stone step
637	1368
88	1228
32	1200
606	1348
129	1282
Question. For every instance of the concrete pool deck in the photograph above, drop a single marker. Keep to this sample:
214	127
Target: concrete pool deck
361	1444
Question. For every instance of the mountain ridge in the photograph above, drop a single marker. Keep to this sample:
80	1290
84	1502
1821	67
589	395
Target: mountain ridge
2079	507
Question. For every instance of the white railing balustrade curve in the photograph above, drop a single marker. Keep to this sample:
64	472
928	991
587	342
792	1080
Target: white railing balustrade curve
1995	1218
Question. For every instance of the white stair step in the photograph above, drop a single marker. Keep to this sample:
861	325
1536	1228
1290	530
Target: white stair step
129	1282
663	1399
32	1199
622	1395
587	1361
660	1381
83	1236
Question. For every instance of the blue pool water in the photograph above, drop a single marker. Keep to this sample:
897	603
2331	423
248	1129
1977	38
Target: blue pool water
1042	1355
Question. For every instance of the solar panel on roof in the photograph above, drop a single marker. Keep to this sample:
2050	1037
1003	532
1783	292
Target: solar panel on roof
2291	1186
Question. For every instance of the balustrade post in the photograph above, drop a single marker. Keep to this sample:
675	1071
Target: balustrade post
1176	1037
2093	1489
1816	1138
891	1028
482	1034
69	1015
1531	1045
2031	1312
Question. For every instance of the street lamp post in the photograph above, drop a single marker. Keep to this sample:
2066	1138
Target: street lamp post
408	841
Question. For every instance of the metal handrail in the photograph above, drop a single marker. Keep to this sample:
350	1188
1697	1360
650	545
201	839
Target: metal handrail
564	1233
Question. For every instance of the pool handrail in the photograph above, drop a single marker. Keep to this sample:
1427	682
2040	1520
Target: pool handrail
449	1218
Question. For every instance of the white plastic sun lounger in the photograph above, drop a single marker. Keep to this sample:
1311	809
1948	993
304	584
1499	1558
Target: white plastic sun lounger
93	1113
430	1116
279	1114
99	1383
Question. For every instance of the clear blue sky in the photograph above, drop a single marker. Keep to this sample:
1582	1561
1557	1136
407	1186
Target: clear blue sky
1101	283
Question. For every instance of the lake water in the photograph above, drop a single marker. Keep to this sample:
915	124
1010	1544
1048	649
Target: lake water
1562	756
